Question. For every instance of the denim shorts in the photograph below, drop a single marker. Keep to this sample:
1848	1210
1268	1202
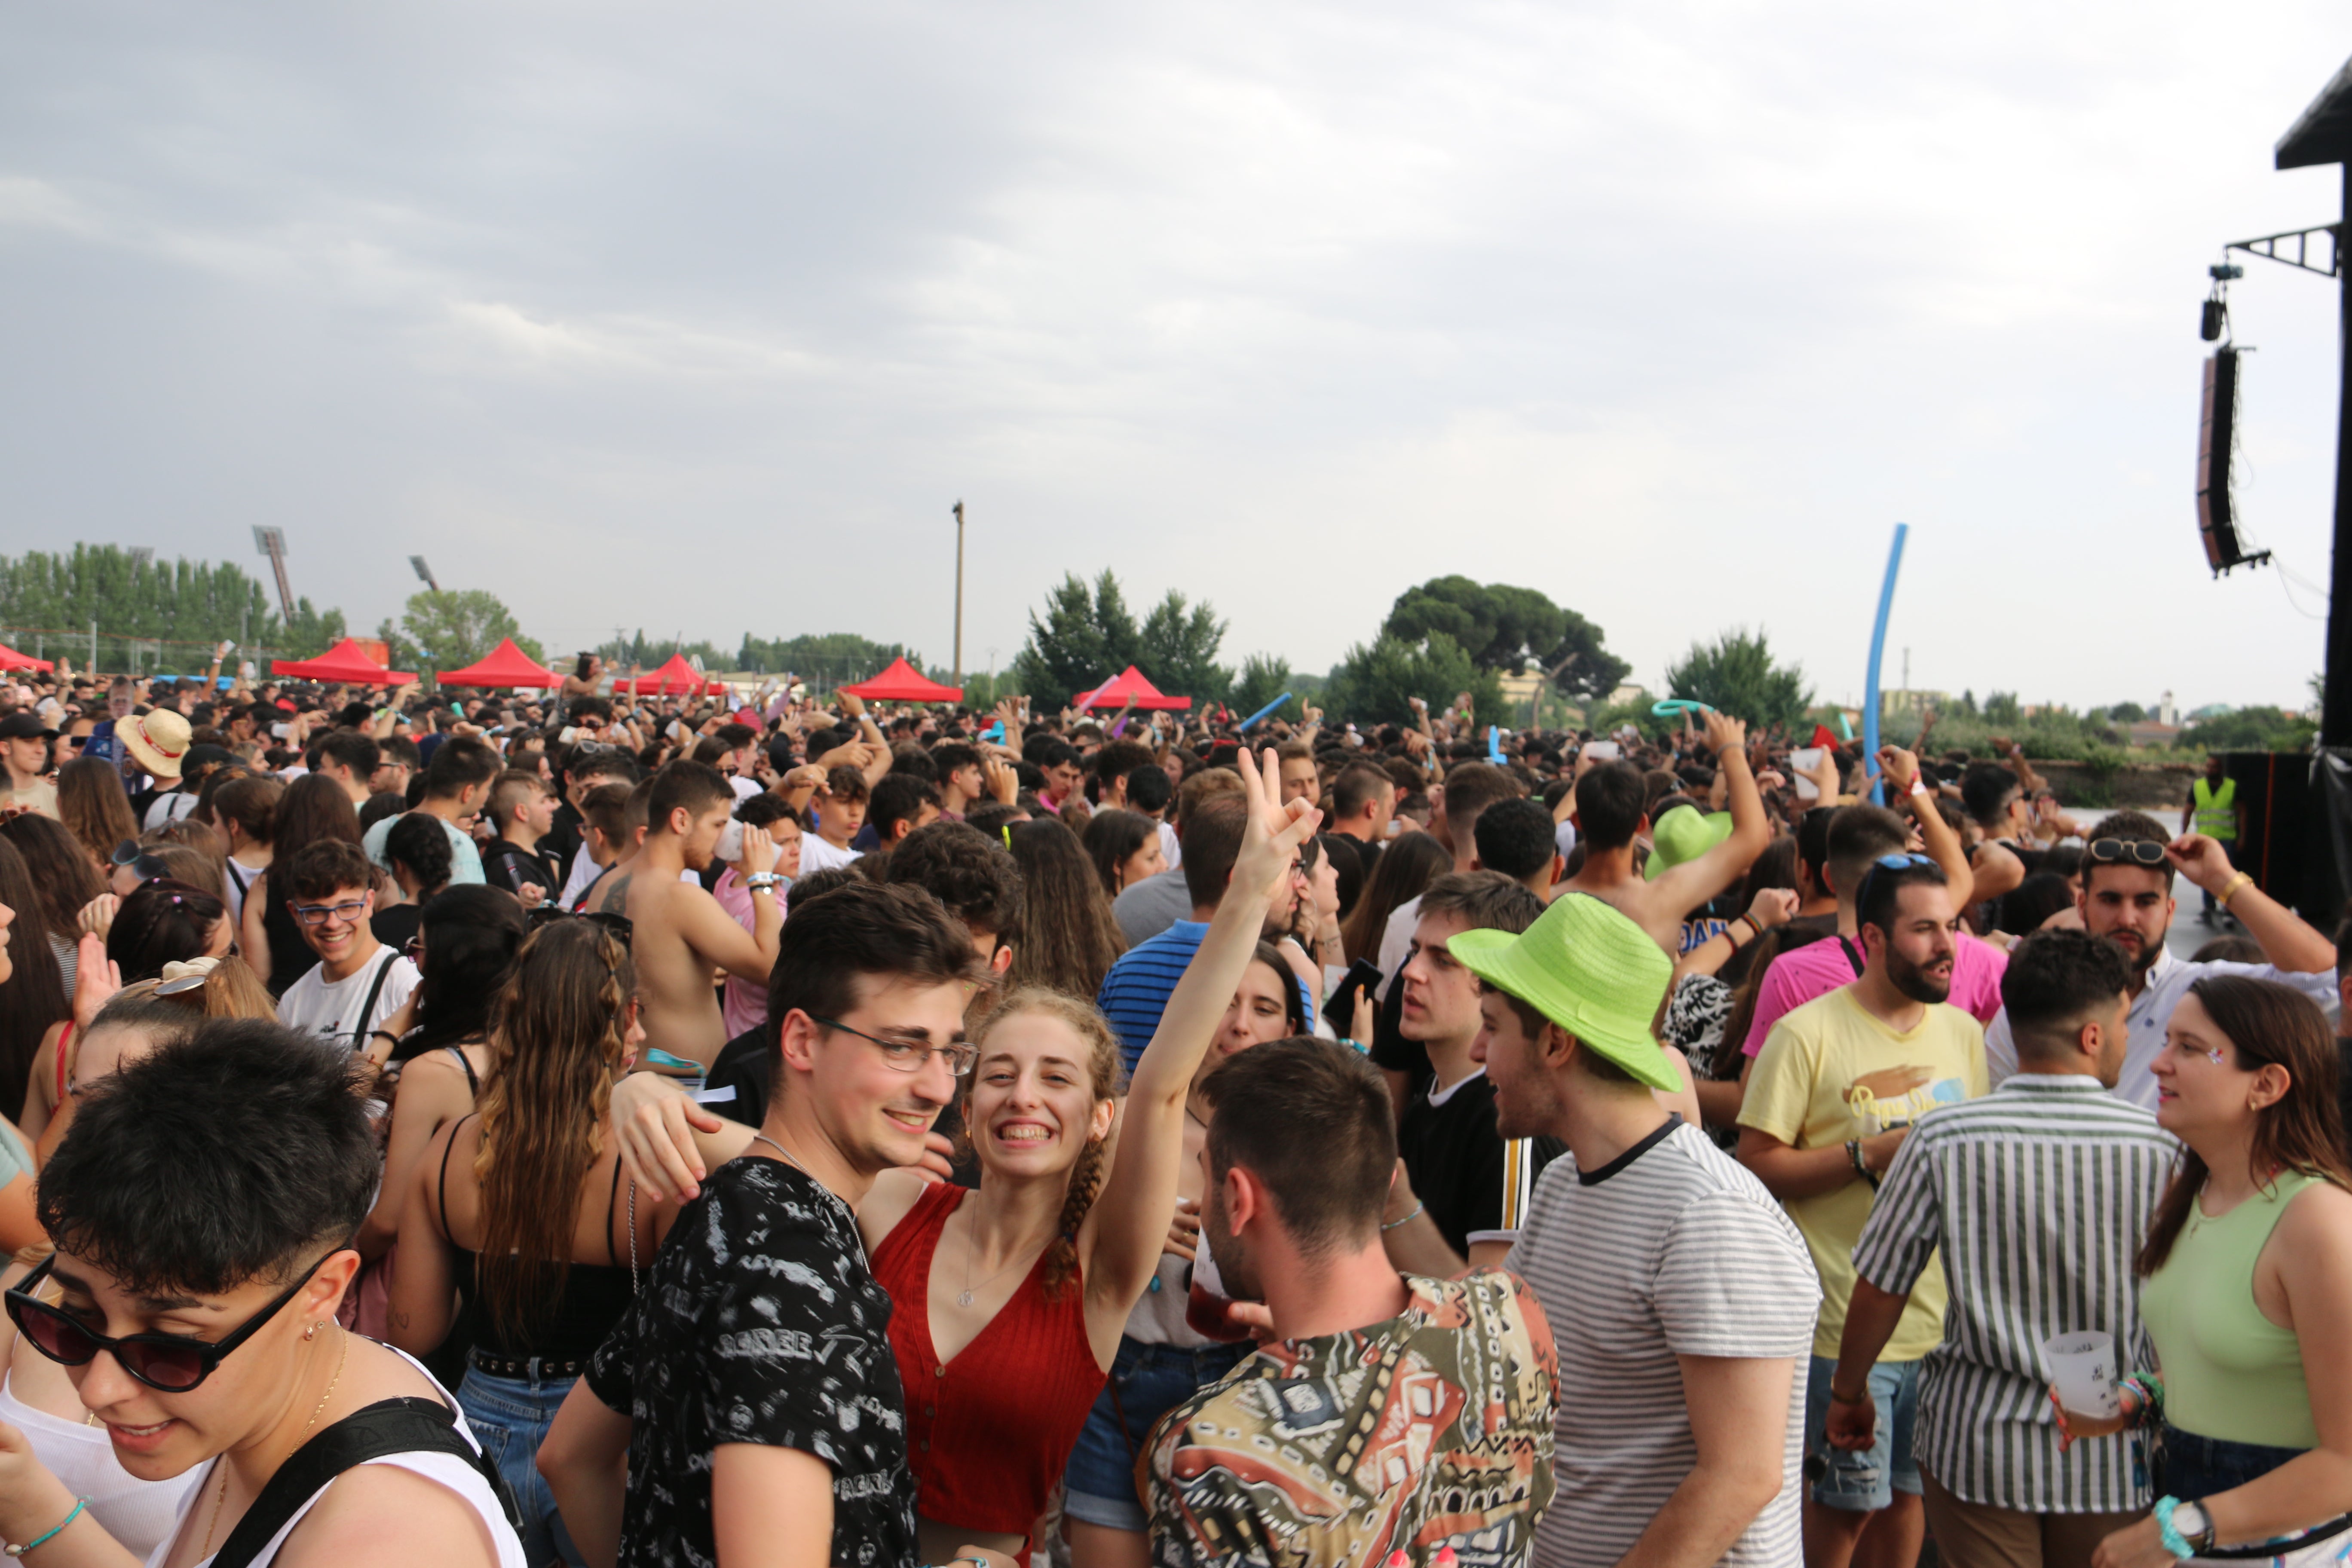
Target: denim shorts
1867	1480
510	1416
1145	1383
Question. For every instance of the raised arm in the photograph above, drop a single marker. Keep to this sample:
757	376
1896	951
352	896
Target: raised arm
1695	881
1901	770
2289	943
1130	1216
714	934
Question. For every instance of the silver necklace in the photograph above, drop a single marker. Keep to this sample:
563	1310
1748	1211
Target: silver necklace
839	1201
971	1255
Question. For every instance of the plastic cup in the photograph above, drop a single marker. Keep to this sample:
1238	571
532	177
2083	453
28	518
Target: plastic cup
2083	1370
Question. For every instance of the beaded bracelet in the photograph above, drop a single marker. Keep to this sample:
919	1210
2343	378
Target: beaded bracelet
79	1504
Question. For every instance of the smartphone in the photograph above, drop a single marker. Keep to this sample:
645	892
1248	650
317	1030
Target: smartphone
1801	762
1603	751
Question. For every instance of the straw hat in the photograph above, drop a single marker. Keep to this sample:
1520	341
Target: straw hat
1588	969
158	740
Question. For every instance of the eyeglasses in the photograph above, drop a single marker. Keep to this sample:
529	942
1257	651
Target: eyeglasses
2139	851
171	1362
906	1055
622	928
349	912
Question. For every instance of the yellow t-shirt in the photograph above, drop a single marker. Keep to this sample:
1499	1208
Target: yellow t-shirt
1831	1071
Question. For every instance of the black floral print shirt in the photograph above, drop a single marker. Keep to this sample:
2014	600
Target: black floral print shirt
760	1322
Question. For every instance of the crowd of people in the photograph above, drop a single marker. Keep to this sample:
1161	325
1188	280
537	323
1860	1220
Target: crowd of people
602	1129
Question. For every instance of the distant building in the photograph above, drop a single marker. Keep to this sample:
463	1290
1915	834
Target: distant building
1914	701
2154	733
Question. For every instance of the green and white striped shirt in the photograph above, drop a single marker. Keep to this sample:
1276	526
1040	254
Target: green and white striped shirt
2037	1195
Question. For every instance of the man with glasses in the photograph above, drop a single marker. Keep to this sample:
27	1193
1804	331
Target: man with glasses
359	982
1837	1088
2127	897
751	1388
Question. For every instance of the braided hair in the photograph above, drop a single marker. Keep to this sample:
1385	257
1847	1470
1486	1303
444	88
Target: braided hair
1061	1275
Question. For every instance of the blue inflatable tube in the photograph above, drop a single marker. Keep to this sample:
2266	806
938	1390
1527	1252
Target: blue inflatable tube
1877	653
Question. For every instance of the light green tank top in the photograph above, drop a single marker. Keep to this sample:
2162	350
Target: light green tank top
2229	1372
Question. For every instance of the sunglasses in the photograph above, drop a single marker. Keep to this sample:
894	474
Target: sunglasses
143	866
2135	851
170	1362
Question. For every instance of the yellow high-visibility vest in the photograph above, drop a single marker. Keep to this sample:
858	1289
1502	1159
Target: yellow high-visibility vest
2216	814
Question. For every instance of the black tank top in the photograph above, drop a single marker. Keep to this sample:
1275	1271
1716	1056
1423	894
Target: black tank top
594	1295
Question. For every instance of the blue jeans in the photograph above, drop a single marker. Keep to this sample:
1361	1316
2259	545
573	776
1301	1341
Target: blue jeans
1145	1383
1867	1481
510	1417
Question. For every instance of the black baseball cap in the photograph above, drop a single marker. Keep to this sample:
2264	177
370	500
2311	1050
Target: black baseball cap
25	725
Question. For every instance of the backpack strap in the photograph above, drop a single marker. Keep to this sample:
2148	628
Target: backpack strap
1851	957
367	1008
379	1430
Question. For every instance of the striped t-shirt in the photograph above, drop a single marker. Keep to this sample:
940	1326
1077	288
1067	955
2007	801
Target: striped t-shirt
2037	1195
1671	1248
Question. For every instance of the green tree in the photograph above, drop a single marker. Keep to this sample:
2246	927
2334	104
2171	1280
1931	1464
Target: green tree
1088	635
450	628
1735	674
2249	729
1177	649
192	602
2127	712
1375	684
1262	678
312	633
2001	707
827	659
1502	627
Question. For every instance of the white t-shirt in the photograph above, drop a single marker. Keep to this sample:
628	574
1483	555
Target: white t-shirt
1396	940
816	855
1672	1249
169	806
330	1008
1171	849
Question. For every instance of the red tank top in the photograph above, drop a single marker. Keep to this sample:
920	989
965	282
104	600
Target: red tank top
989	1433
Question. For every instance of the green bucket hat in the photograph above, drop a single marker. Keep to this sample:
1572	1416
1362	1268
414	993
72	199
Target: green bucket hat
1590	970
1684	833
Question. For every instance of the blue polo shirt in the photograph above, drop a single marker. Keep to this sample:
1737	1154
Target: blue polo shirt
1136	991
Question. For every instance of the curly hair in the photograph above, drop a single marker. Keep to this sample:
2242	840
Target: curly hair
1107	1080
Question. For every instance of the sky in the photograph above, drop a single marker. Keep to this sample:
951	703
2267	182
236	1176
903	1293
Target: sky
699	317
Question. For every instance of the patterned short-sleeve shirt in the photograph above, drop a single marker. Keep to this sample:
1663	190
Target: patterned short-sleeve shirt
760	1322
1432	1428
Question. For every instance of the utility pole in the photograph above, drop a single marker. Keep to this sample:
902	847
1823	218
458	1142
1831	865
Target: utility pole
959	611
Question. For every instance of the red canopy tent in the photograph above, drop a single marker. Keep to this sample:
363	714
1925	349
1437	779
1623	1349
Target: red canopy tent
10	659
902	682
344	662
675	679
505	665
1114	693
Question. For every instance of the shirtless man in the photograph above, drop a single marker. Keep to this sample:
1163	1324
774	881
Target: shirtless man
1610	814
683	939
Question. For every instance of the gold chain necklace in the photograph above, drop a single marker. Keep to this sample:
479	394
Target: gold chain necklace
222	1496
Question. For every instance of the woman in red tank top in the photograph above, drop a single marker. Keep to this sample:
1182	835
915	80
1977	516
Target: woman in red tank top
1009	1299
